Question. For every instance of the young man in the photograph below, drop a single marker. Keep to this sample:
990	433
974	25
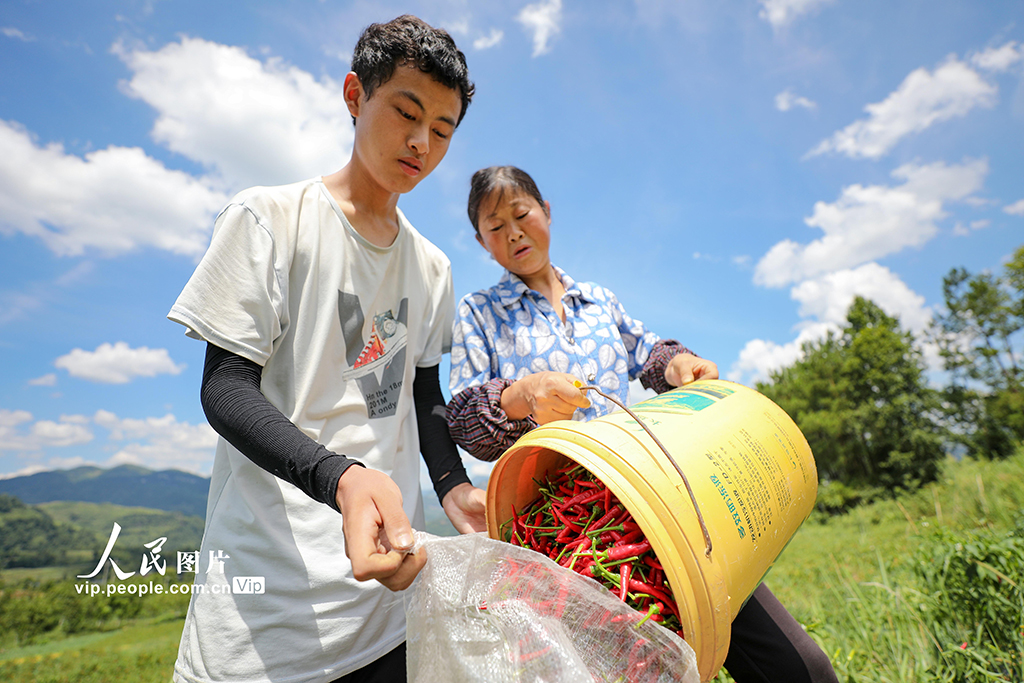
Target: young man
325	315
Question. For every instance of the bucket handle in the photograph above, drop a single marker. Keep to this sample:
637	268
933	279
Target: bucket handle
693	499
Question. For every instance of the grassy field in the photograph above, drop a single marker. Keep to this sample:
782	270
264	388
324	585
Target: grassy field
142	653
858	582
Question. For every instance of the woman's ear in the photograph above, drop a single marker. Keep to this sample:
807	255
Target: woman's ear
547	208
480	241
353	92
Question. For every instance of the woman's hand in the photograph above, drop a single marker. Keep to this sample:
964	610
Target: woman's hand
685	368
546	396
465	506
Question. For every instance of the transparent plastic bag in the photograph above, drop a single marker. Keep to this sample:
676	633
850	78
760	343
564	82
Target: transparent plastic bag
483	611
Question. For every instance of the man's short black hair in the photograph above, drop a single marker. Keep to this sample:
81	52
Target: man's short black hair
410	41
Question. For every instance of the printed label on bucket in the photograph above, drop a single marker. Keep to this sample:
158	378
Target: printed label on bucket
689	399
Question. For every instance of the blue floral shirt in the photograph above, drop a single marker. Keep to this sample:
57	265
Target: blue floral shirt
510	331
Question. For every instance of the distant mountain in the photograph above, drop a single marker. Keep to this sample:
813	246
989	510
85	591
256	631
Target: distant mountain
171	490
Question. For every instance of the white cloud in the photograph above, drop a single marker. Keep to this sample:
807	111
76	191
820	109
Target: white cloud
154	442
922	99
160	442
15	305
760	357
490	40
827	298
12	32
699	256
1015	209
47	380
10	419
867	223
998	58
114	200
786	100
459	27
778	13
543	20
253	122
961	230
118	363
17	435
824	303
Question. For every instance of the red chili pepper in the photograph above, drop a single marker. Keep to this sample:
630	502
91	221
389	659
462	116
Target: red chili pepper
624	571
583	498
652	562
657	593
620	552
631	537
527	656
569	525
608	517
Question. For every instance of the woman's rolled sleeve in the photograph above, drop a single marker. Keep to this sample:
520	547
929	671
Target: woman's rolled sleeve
478	424
652	376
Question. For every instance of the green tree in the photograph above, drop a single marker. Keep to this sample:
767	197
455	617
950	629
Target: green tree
861	399
980	336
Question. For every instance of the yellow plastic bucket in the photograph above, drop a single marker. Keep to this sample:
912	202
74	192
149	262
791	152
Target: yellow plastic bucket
749	467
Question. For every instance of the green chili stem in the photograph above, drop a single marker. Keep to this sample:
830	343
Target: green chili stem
652	610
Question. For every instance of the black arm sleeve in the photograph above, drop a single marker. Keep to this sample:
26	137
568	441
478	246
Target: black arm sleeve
443	462
237	410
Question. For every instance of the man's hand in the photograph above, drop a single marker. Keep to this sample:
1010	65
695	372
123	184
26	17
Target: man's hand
547	396
378	536
465	506
685	368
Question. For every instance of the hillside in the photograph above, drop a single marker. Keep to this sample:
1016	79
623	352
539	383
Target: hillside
129	485
29	537
73	534
138	527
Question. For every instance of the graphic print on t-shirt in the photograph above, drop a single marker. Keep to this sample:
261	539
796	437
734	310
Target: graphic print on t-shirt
377	364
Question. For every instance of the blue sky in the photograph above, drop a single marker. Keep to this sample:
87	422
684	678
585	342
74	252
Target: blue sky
735	170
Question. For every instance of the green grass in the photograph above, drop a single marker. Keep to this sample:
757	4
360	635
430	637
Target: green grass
853	582
143	653
42	573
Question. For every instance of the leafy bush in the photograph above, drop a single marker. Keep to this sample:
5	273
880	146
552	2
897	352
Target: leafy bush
33	612
976	608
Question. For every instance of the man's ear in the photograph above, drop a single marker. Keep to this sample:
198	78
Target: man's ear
480	240
354	93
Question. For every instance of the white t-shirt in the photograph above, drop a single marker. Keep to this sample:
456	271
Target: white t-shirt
338	325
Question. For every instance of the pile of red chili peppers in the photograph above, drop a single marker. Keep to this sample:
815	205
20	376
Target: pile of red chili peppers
580	524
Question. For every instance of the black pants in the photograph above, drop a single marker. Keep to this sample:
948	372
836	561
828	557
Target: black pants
387	669
769	646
